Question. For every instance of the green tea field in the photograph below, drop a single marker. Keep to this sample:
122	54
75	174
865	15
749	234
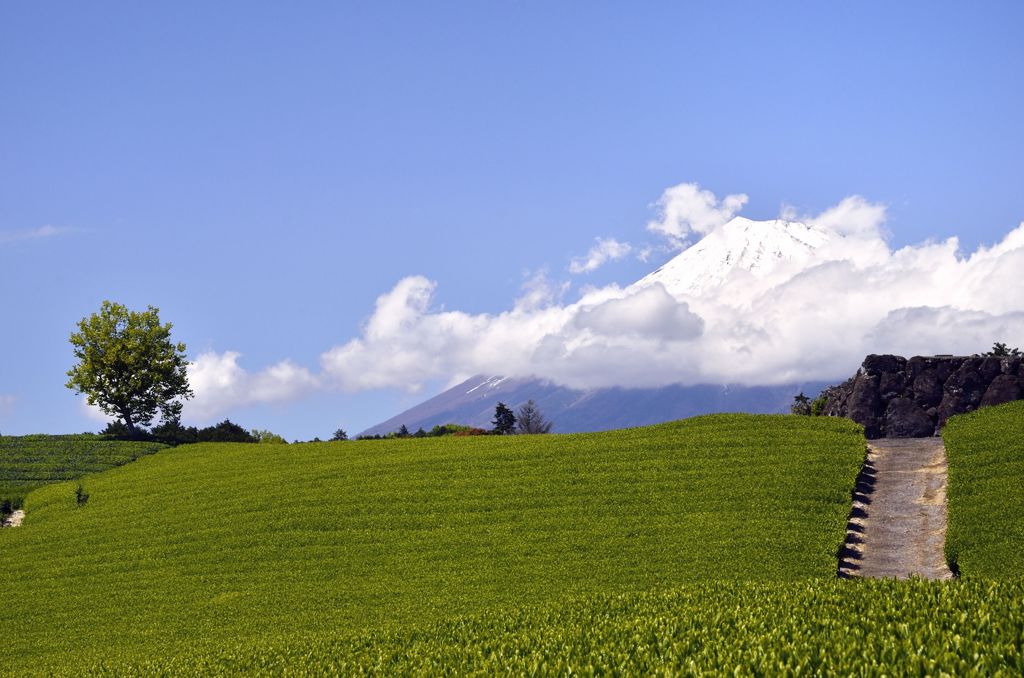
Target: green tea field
28	462
699	547
986	493
201	547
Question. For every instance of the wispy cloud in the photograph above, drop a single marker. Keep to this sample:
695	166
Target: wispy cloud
6	404
605	250
8	237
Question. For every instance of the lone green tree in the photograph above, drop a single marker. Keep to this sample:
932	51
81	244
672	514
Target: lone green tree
128	366
504	421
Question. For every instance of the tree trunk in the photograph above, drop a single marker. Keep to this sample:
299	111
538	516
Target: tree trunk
133	432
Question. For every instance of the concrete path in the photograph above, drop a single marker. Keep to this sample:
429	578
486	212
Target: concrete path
897	526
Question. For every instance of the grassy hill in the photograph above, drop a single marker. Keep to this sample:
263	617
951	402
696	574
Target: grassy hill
699	547
986	491
28	462
210	546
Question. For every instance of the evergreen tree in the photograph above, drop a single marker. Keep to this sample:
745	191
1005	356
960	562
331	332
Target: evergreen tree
801	404
340	435
504	421
403	432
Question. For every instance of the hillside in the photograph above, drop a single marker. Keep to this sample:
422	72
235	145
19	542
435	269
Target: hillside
206	547
28	462
818	626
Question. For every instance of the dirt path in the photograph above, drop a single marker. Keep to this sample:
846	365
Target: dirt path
897	526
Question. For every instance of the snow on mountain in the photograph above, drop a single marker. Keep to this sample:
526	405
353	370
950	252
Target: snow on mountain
756	247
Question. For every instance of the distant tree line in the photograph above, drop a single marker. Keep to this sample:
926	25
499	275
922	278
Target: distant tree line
528	419
173	433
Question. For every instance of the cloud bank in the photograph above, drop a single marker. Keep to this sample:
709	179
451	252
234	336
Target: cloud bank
812	319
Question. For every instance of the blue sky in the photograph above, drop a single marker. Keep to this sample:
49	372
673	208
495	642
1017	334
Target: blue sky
262	172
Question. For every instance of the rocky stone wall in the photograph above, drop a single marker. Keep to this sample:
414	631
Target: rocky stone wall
893	397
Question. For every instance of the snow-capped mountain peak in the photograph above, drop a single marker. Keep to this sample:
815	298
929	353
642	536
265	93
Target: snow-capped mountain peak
757	247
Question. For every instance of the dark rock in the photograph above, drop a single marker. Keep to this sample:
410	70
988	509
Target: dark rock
877	365
836	399
1004	389
864	405
905	419
989	368
895	397
890	385
966	386
947	367
949	407
927	388
919	364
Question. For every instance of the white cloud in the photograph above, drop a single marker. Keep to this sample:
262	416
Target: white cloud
92	411
605	250
539	291
650	312
221	384
31	234
645	253
685	209
814	318
853	216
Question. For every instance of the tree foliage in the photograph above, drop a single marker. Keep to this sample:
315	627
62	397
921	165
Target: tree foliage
1001	350
128	366
504	421
801	404
340	434
529	419
269	437
226	431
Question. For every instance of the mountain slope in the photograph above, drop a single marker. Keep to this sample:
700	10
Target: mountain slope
472	402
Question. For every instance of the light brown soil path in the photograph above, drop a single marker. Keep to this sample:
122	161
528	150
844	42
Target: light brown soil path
897	526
